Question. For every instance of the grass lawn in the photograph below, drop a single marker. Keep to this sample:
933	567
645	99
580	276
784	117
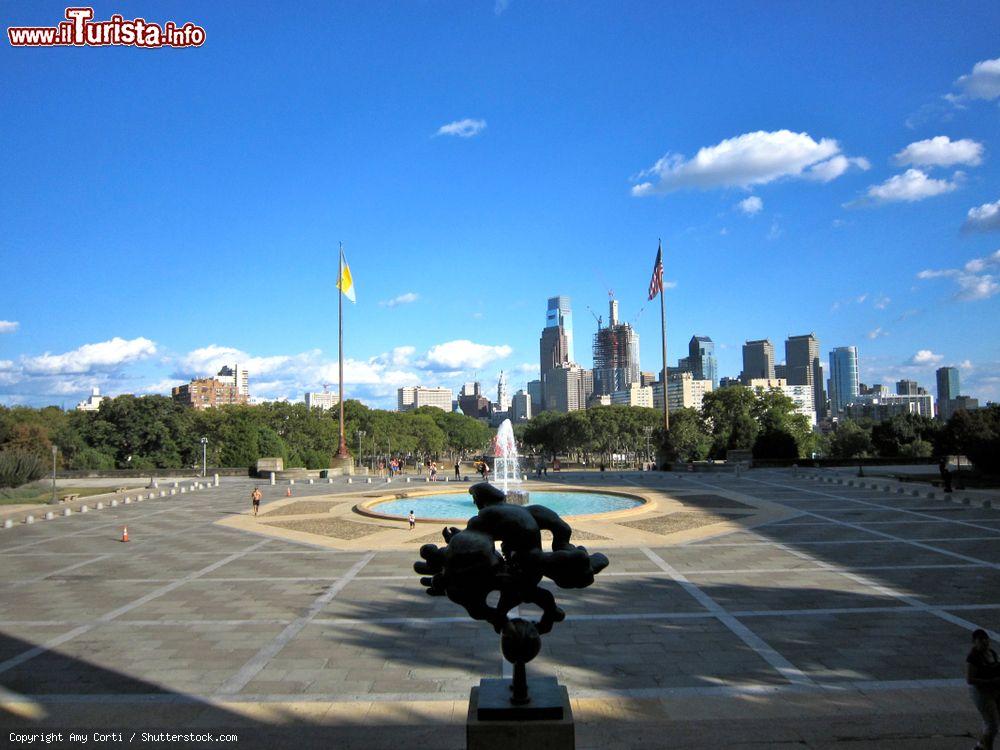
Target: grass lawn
34	493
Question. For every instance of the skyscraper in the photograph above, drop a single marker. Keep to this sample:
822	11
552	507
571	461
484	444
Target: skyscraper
947	391
559	314
701	359
616	355
906	387
844	386
802	367
553	346
758	360
503	401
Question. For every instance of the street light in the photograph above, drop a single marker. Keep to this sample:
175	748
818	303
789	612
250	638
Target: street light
204	447
55	450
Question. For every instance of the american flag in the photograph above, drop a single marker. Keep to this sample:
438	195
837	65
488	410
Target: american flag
656	283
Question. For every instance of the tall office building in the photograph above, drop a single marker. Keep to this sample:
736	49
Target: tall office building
844	385
758	360
537	400
947	391
700	361
616	355
520	407
324	400
236	375
559	315
553	346
907	387
568	388
409	398
803	367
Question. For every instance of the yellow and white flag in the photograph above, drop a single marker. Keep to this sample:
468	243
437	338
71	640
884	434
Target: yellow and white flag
346	282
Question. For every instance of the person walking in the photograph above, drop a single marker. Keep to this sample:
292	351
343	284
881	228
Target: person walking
434	471
945	473
255	499
412	519
458	473
982	672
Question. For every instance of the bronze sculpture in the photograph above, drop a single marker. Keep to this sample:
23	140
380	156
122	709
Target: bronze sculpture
468	569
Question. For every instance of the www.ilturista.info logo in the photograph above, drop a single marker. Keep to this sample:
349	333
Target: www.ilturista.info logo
80	30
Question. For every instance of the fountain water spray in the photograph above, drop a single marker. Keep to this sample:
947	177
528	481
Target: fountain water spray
507	472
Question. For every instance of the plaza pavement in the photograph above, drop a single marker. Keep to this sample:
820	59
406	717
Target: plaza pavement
768	610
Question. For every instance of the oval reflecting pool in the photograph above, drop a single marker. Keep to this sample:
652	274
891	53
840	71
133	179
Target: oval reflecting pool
460	505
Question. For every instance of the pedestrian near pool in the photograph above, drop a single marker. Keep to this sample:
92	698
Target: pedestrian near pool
255	499
434	471
412	519
458	473
982	672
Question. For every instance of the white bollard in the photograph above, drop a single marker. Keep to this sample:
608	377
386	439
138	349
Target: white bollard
272	478
49	516
183	490
8	524
177	484
29	519
128	501
427	479
368	480
99	506
67	511
388	480
329	480
84	508
407	480
173	492
216	478
114	503
311	481
291	481
350	480
163	493
155	483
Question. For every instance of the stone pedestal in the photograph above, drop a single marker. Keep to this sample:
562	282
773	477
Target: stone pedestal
494	724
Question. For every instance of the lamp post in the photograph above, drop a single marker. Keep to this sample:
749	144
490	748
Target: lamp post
204	455
361	434
55	450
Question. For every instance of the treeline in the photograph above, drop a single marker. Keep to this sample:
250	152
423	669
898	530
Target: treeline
154	432
974	434
732	418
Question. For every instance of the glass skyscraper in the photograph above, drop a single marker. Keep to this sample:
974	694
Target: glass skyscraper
560	314
947	391
701	359
844	384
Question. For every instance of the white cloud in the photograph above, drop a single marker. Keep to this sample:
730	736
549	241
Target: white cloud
775	231
925	357
972	280
877	333
751	206
208	360
750	159
463	128
911	186
983	82
965	364
401	355
941	151
831	169
881	302
402	299
161	387
669	284
984	218
463	354
8	326
89	357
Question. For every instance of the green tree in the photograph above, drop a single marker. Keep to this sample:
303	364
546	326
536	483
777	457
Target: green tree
687	440
851	440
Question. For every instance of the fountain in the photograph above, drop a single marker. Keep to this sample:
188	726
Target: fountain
506	471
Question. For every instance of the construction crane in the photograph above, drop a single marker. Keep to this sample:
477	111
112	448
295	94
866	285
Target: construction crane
326	387
596	317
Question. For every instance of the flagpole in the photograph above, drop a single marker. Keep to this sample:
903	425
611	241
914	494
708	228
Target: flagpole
666	377
342	451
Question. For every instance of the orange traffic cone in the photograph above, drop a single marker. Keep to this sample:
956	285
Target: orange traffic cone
125	533
288	492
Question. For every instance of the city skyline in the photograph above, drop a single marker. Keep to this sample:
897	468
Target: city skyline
850	191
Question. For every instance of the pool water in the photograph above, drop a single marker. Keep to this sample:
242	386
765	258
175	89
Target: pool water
461	505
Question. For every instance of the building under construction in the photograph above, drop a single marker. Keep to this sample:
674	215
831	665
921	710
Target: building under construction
616	355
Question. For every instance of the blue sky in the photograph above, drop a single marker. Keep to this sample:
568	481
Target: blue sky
828	169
